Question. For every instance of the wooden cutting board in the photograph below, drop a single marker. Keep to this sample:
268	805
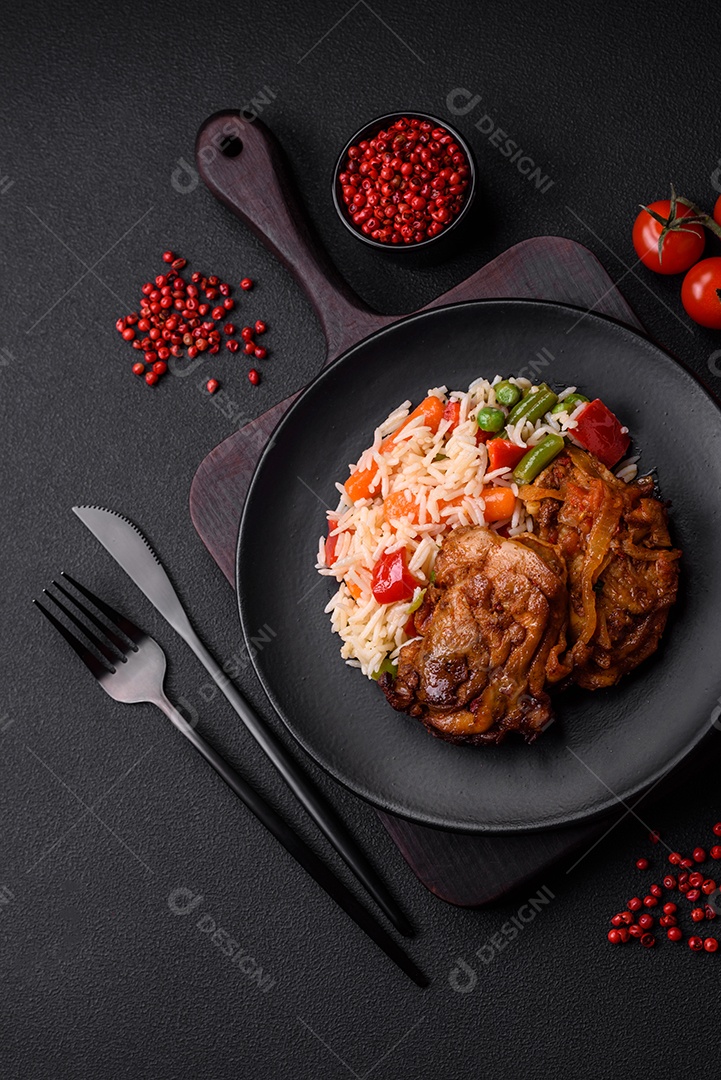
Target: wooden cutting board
243	166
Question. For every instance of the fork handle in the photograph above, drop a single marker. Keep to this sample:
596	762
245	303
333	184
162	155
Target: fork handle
302	788
295	846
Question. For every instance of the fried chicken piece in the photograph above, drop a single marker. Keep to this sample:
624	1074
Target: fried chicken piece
622	569
492	628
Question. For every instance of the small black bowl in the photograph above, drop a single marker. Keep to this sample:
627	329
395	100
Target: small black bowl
442	239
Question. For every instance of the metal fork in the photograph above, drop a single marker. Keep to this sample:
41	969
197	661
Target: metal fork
130	667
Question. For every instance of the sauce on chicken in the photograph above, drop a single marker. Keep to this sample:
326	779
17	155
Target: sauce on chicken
622	568
583	599
491	627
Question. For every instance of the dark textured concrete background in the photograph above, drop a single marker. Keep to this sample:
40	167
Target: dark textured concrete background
105	810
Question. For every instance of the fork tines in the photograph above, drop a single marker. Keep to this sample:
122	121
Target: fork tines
118	639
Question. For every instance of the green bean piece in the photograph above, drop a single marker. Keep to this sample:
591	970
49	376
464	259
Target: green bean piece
569	403
508	393
537	458
545	402
534	405
490	419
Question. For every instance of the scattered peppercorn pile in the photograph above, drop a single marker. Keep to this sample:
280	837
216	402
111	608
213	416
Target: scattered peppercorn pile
178	317
407	184
690	883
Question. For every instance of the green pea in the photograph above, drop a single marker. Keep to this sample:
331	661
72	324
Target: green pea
569	403
534	406
537	458
507	393
490	419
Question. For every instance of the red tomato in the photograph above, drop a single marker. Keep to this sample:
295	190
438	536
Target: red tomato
503	454
701	293
391	579
681	247
599	431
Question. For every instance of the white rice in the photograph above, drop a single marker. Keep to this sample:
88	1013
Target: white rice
448	492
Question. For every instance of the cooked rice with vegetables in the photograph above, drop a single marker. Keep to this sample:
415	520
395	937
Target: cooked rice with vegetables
458	458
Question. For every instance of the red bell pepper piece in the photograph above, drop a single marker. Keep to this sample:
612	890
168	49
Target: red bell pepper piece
392	581
331	542
452	412
503	454
601	433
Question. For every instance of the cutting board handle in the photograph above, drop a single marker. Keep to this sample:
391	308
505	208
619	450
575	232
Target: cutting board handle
242	164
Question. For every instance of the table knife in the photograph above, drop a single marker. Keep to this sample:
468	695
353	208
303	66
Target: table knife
127	545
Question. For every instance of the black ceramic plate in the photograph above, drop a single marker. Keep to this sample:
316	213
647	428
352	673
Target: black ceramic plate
603	746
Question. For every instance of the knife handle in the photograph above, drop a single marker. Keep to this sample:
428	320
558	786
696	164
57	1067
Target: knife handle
295	846
303	789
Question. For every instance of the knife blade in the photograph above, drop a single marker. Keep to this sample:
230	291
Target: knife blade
125	542
130	549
